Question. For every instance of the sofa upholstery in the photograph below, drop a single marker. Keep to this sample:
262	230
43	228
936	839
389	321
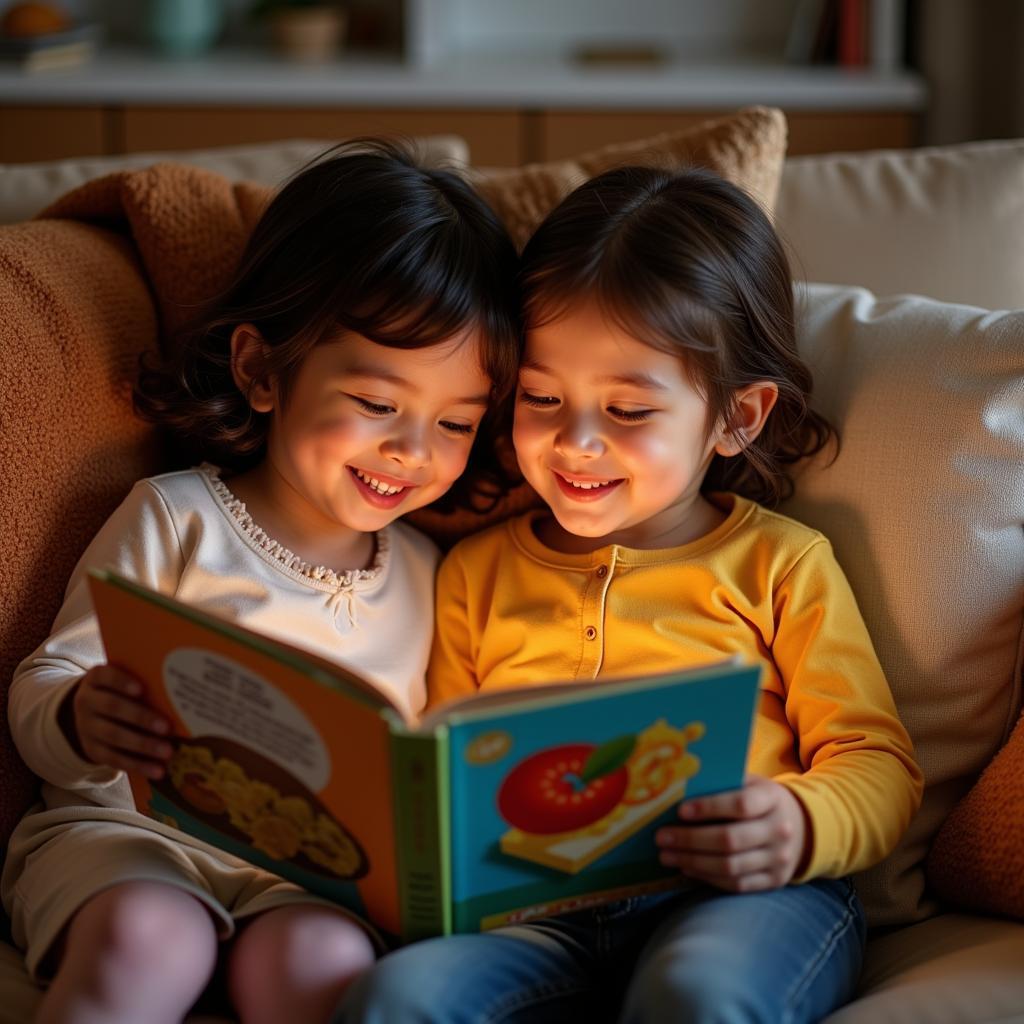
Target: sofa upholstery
942	221
925	506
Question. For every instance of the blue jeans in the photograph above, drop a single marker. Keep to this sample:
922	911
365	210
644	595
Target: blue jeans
777	957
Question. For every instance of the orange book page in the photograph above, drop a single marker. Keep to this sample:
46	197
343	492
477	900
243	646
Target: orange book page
295	774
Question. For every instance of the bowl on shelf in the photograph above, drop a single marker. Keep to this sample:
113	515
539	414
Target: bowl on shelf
182	28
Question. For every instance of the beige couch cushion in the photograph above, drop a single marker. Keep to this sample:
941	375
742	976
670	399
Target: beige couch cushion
952	969
25	189
925	507
947	222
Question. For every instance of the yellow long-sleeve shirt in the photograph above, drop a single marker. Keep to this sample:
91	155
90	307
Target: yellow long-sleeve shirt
513	612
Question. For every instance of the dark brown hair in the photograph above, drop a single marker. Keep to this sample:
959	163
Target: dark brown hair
363	239
689	264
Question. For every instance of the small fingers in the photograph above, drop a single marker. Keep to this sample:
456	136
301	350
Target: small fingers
732	837
753	871
109	677
720	866
752	801
130	741
135	713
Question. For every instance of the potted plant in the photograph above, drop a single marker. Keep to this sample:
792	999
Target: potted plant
305	30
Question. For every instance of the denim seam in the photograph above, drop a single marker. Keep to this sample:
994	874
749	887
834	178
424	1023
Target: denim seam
532	997
798	991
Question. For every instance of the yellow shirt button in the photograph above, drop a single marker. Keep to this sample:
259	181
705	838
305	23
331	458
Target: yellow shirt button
590	633
602	571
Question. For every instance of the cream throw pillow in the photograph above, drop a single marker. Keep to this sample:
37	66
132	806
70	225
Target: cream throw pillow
25	189
943	221
925	508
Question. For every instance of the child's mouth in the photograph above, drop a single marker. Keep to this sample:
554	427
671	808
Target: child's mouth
586	490
381	493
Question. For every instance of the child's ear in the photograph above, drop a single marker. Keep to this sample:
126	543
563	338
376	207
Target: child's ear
248	367
752	406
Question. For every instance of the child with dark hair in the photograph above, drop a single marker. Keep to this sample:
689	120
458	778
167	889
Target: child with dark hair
339	382
661	400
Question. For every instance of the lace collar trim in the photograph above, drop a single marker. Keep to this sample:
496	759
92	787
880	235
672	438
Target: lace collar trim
288	560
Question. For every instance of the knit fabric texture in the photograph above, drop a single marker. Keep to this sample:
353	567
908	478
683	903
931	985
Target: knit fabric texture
977	859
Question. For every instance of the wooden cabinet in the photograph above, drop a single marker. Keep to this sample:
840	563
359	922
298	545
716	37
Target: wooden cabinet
496	137
51	133
563	133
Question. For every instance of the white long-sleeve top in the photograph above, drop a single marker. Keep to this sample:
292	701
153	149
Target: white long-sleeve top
185	535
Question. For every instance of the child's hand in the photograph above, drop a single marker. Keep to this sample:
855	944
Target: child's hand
114	727
743	841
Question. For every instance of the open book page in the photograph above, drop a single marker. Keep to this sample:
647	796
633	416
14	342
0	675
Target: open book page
555	798
280	757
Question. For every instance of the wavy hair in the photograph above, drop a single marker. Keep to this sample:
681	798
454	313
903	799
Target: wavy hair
364	240
688	263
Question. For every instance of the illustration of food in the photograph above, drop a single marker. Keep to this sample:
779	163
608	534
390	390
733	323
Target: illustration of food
277	837
563	788
659	759
194	789
641	778
332	848
284	826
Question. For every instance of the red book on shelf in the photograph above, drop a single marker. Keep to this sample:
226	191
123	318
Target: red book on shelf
853	33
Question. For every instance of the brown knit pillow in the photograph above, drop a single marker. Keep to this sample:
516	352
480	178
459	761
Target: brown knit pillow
747	148
977	859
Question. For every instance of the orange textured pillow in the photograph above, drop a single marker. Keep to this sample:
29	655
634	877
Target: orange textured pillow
747	148
977	859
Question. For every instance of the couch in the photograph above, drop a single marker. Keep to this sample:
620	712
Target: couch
912	271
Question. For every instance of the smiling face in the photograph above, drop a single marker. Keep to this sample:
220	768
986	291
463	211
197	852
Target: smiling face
612	433
368	433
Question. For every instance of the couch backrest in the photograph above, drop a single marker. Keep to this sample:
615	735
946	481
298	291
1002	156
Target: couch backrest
25	189
925	509
942	221
76	314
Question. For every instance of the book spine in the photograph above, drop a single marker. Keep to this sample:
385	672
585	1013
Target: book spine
885	45
423	831
852	28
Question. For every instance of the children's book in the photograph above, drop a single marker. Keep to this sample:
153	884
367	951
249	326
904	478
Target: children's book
498	808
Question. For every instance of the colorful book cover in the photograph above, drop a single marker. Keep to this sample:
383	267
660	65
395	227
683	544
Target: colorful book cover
498	808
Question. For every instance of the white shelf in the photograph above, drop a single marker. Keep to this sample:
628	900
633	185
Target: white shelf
241	77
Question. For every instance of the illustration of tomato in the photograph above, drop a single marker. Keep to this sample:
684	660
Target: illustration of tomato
567	787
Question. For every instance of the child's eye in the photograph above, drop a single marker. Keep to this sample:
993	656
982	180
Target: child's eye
373	407
466	429
538	401
630	415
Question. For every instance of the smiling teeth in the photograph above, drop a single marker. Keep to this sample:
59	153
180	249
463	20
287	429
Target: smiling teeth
376	484
590	486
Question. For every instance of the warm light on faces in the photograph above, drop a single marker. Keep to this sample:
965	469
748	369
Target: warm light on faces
613	435
368	433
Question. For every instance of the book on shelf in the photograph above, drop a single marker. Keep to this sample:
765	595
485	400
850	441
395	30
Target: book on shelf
52	51
500	807
848	33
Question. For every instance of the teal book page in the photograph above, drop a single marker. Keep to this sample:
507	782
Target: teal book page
555	801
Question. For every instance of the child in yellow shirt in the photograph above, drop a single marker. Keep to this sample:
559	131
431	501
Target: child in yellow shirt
660	401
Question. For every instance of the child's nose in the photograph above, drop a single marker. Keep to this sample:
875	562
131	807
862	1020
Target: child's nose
578	437
408	447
